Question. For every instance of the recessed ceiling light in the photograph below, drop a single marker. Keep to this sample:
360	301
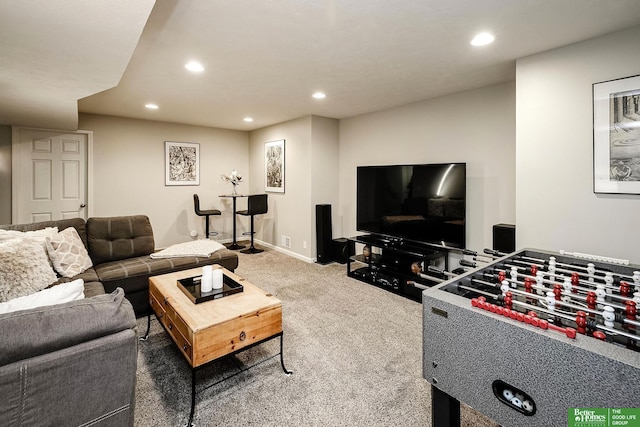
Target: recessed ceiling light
194	66
319	95
248	119
151	106
483	39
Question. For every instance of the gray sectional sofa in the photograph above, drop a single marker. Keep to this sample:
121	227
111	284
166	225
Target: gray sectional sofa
69	364
75	363
120	248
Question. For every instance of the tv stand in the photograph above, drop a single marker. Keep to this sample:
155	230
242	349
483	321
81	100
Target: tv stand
391	263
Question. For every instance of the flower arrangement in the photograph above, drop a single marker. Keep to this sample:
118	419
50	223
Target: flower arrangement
234	178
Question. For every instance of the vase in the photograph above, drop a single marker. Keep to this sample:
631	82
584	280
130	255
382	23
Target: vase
235	193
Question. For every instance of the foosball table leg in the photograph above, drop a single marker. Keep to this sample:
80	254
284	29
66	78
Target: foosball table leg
445	410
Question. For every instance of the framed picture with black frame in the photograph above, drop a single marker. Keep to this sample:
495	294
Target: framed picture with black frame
616	136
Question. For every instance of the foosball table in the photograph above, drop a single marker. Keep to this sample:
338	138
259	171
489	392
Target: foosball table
532	335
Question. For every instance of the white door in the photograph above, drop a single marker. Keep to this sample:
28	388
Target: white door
49	178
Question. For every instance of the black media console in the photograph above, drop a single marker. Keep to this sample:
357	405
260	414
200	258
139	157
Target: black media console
394	264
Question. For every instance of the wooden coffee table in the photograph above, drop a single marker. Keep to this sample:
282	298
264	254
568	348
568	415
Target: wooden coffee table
209	330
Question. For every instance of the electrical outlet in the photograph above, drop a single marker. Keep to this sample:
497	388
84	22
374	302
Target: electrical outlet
304	244
286	241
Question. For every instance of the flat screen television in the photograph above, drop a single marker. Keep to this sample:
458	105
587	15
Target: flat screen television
422	202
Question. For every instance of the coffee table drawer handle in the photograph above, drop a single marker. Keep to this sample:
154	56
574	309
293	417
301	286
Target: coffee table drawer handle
243	336
170	326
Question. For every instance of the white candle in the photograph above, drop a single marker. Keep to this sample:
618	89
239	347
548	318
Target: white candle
206	284
217	278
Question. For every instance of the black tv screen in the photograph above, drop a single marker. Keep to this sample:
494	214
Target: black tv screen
424	203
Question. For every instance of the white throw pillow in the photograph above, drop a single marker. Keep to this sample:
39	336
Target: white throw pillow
64	292
39	235
67	253
24	268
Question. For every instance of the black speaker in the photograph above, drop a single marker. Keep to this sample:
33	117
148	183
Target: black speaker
504	238
341	252
324	244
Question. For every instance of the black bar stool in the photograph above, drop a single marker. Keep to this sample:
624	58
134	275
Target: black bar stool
206	214
256	205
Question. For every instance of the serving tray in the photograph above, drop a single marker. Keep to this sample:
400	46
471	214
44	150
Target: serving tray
191	287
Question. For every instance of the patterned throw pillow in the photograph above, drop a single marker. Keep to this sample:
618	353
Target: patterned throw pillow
24	268
67	253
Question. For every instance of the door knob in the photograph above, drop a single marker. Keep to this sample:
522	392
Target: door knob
83	206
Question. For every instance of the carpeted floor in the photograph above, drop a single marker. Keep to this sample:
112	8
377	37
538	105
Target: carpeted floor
355	352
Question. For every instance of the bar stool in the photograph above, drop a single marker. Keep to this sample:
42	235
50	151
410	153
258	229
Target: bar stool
256	205
206	214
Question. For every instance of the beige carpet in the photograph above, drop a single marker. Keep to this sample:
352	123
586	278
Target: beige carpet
355	352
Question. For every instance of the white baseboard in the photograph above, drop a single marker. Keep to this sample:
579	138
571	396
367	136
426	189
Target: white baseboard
275	248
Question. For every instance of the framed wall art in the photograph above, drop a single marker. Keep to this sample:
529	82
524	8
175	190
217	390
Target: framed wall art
274	166
182	163
616	136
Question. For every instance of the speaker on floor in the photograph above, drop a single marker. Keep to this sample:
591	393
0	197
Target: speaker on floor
341	250
504	238
324	244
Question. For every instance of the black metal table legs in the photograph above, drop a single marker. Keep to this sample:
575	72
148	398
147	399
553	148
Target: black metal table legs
234	245
193	371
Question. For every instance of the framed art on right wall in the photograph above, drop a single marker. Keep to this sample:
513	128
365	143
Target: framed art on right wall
616	136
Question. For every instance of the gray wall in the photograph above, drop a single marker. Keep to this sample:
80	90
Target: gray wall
476	127
128	174
5	174
311	177
556	207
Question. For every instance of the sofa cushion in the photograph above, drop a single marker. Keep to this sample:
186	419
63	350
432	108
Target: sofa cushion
67	253
146	266
92	289
24	268
115	238
47	329
59	294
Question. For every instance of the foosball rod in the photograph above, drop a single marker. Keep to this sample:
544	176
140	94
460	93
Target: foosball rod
495	253
558	302
564	316
591	257
436	270
560	275
578	288
567	317
545	262
561	302
559	271
568	293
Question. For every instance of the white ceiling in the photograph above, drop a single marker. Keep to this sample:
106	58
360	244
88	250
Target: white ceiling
54	52
264	58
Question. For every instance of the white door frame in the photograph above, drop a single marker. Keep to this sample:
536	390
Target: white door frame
16	166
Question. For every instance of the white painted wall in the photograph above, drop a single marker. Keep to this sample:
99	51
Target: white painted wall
325	172
289	211
311	177
476	127
129	179
556	207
